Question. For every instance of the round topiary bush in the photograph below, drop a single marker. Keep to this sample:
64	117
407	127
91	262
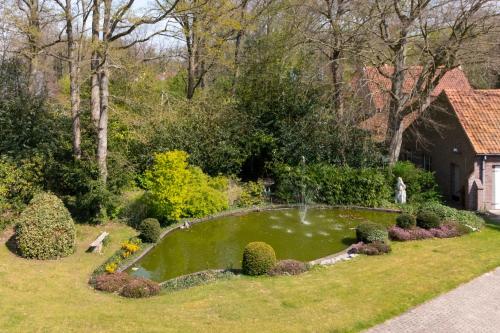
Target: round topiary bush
406	221
150	230
369	232
428	220
139	287
258	258
45	229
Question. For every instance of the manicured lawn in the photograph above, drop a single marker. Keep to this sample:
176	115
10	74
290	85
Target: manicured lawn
54	296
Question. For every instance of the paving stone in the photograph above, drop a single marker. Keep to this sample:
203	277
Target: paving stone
472	307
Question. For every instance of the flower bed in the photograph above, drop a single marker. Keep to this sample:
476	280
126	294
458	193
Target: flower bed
446	230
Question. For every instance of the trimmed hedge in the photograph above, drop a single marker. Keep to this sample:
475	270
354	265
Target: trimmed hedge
428	219
150	230
369	232
258	258
340	185
45	229
406	221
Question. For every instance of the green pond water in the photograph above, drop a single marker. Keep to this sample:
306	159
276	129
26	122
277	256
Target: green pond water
219	243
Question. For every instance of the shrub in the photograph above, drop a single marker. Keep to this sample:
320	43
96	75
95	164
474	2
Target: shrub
45	229
371	249
176	190
288	267
446	230
139	288
428	219
446	213
406	221
150	230
112	283
258	258
252	194
420	184
196	279
332	185
369	232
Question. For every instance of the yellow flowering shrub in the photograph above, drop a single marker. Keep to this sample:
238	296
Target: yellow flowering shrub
111	267
177	189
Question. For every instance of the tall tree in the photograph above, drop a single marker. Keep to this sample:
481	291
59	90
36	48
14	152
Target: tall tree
426	33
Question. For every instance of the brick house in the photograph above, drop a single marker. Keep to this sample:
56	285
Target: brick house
460	142
373	85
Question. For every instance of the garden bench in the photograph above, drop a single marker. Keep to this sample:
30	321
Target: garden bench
96	246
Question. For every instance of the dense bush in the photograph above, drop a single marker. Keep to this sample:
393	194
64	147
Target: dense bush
150	230
369	232
258	258
371	249
332	185
45	229
288	267
252	194
176	189
139	288
113	282
406	221
338	185
421	185
196	279
446	213
428	219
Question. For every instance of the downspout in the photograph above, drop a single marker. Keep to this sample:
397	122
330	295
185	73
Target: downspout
483	168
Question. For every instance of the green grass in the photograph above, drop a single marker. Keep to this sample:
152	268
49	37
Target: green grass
53	296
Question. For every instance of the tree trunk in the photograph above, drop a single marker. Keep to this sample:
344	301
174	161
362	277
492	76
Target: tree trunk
102	133
191	70
95	103
395	129
74	85
337	82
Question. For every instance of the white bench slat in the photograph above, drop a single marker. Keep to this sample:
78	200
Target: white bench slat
99	239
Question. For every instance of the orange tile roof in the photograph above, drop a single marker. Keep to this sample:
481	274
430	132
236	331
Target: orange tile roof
379	87
479	114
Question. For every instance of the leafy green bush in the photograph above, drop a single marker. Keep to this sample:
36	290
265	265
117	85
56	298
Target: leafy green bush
252	194
369	232
428	219
45	229
332	185
150	230
420	184
258	258
176	189
406	221
445	213
196	279
139	288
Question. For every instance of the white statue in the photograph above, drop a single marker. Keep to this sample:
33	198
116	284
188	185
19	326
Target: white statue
400	191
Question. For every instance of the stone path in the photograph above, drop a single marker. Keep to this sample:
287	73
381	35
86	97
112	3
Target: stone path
472	307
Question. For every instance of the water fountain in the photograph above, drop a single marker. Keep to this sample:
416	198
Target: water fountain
303	193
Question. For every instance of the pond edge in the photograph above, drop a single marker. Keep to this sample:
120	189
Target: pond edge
320	261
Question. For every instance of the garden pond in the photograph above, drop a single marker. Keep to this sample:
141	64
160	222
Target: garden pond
219	243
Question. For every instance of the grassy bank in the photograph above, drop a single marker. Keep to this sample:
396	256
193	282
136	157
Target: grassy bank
54	295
